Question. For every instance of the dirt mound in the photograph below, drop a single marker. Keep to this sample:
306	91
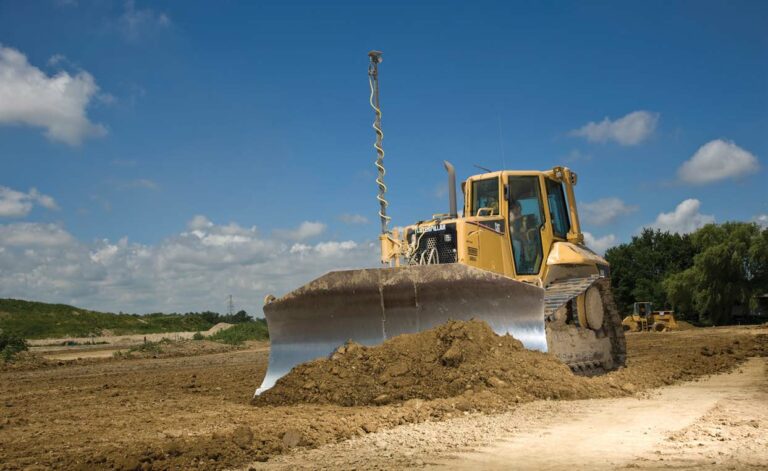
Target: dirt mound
439	363
218	327
683	325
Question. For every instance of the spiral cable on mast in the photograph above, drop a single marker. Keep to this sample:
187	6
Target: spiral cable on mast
373	80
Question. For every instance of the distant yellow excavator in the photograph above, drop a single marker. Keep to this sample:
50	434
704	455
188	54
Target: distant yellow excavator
515	258
645	319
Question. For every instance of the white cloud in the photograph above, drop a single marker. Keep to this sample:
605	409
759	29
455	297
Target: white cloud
333	248
18	204
604	211
684	219
135	23
353	219
192	270
324	249
630	130
717	160
306	230
761	220
57	103
28	234
43	200
599	244
56	59
199	222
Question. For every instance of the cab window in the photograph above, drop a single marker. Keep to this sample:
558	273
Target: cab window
558	209
485	197
526	217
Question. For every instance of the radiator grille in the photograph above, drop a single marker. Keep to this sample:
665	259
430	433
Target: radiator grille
442	243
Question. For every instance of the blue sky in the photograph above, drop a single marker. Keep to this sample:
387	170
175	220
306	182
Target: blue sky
182	151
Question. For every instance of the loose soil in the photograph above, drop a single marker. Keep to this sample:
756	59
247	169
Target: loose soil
467	359
194	411
718	422
67	356
443	362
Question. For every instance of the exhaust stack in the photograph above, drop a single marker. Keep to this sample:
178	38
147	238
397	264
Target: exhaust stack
451	188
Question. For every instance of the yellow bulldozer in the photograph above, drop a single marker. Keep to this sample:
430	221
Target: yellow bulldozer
515	258
645	319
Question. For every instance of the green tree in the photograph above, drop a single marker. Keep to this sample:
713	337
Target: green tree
240	317
639	267
729	270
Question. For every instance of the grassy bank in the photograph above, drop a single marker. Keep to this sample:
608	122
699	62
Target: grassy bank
35	320
237	334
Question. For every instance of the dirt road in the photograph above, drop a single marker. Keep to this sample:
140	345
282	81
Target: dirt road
720	422
69	354
717	422
194	412
123	340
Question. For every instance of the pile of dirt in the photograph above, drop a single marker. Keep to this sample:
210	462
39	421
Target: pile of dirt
684	325
439	363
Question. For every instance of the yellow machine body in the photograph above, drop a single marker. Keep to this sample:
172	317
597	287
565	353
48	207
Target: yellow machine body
485	234
514	259
645	319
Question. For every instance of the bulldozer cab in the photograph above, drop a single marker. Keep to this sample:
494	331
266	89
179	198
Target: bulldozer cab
517	217
643	309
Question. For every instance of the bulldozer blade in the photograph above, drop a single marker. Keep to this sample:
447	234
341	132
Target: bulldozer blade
369	306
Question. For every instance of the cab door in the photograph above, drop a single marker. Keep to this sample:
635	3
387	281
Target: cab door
485	227
527	224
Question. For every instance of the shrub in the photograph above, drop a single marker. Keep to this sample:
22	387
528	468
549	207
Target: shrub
239	333
10	345
151	347
198	336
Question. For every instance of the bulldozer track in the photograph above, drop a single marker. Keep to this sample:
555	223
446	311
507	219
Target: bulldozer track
612	323
560	293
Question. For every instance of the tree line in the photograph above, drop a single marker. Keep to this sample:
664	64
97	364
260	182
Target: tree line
715	275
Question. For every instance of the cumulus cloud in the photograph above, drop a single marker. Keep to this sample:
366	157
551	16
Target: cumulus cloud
56	103
630	130
30	235
18	204
306	230
604	211
599	244
685	219
761	220
353	219
717	160
191	270
199	222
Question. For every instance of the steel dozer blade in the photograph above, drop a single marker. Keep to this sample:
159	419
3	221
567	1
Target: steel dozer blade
372	305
